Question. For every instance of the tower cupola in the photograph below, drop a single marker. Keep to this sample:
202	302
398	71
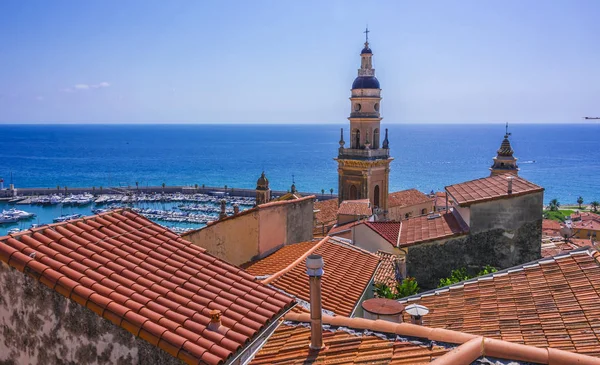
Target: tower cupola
505	162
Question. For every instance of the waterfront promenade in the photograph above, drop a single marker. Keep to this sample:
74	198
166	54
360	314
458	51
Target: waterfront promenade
232	191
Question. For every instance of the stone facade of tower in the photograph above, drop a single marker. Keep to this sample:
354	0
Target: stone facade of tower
364	167
505	162
263	193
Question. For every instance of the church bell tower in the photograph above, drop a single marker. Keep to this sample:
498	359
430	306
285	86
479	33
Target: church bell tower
364	167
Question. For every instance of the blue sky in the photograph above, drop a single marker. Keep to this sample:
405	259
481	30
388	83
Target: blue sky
294	62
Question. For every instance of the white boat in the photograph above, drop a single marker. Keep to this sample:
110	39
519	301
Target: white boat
19	214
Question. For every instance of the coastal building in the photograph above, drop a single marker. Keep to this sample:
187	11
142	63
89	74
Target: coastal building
364	167
263	192
325	216
353	210
255	233
505	162
116	288
408	203
585	225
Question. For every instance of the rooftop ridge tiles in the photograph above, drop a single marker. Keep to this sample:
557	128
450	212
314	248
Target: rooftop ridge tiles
281	272
336	241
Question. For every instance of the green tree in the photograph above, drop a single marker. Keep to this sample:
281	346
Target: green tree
580	201
595	204
554	205
196	186
403	289
331	191
322	191
458	275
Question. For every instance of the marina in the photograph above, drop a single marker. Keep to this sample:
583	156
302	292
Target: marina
177	211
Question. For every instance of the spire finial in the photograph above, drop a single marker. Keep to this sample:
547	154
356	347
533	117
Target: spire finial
367	34
507	134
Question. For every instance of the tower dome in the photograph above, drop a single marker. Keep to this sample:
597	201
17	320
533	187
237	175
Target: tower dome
505	162
366	82
262	183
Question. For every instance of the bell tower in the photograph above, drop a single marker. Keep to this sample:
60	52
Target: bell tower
505	162
364	167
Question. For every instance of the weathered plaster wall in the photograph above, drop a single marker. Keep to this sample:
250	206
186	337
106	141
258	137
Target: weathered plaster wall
234	240
272	229
429	262
40	326
299	221
365	238
399	213
508	214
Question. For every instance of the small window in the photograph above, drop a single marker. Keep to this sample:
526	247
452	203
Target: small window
376	106
357	107
424	211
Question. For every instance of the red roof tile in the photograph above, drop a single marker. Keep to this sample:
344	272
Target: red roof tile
430	228
406	198
327	211
343	228
552	302
279	259
386	272
490	188
149	281
360	207
387	230
348	272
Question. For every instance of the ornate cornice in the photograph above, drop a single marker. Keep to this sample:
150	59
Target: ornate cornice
363	163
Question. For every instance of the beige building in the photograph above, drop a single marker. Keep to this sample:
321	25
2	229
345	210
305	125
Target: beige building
256	232
409	203
364	167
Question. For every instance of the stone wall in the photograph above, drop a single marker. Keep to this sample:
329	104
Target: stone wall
40	326
429	262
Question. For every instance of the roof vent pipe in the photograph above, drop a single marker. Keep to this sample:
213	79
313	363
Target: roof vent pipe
223	213
215	320
510	182
314	269
236	209
416	312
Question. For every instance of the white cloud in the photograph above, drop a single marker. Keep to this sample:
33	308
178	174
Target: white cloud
84	87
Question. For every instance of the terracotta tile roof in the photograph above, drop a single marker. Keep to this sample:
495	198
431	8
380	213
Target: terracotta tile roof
386	272
589	221
344	227
552	302
348	273
440	200
149	281
363	341
327	211
360	207
557	245
406	198
427	228
279	259
490	188
387	230
550	227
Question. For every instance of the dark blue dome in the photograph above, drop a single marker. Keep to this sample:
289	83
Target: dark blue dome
366	50
366	82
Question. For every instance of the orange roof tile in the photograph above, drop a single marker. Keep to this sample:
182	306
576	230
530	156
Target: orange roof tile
348	272
149	281
552	302
343	228
279	259
406	198
363	341
490	188
387	230
430	228
386	272
327	211
360	207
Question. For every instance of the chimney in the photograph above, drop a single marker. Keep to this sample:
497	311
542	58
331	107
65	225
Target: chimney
314	269
215	320
416	312
236	209
510	180
223	213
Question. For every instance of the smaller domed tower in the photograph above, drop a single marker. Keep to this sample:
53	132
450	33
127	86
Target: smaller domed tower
505	162
263	193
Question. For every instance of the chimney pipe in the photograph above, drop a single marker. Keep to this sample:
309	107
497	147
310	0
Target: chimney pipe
223	213
510	182
314	269
236	209
215	320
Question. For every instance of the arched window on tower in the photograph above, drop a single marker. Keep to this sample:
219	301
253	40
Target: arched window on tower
353	193
356	138
375	142
376	196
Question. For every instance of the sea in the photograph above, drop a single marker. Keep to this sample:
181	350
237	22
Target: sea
563	158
